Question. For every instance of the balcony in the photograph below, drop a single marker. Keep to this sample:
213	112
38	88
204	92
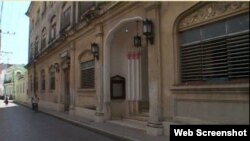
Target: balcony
7	81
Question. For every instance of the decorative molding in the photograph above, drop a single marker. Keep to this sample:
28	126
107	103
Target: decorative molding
212	11
86	53
152	5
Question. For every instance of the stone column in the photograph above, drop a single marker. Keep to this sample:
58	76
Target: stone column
72	78
99	115
128	85
154	126
138	73
133	82
106	81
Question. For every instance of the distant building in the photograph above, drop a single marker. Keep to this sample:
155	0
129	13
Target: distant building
150	62
3	68
11	80
21	87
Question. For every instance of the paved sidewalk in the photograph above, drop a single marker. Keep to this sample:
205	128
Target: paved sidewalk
118	132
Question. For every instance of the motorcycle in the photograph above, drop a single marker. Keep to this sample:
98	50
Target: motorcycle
35	107
6	102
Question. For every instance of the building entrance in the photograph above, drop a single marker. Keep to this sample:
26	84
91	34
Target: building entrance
66	90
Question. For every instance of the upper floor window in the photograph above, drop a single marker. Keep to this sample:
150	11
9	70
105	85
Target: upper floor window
43	41
65	20
44	7
217	52
31	52
32	25
53	28
51	3
87	70
37	17
36	46
83	7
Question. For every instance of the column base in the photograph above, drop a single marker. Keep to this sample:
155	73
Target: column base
72	110
60	107
155	129
99	117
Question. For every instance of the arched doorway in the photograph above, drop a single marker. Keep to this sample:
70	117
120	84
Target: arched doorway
122	60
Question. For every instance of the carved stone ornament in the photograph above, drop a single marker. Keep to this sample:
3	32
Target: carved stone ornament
211	11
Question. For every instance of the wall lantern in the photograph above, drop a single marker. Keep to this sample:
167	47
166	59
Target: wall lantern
95	50
137	38
148	30
56	66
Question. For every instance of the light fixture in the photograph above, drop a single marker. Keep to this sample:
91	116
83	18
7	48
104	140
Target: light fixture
126	30
148	31
94	50
56	66
137	38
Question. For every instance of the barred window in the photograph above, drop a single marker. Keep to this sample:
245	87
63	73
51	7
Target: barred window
87	74
36	82
52	78
31	83
216	52
43	79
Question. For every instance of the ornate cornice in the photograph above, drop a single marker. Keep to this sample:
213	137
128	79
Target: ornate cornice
211	11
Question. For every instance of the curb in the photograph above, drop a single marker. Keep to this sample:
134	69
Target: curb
86	126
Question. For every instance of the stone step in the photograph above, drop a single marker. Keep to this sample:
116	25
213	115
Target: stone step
139	117
130	123
145	114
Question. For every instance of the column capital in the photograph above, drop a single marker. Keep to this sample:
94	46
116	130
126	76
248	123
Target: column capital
152	5
99	30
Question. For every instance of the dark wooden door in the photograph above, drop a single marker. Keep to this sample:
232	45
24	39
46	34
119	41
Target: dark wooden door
66	90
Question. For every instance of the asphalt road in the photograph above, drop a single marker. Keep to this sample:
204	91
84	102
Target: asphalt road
18	123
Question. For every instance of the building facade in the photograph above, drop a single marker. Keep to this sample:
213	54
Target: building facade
158	62
12	84
3	68
21	88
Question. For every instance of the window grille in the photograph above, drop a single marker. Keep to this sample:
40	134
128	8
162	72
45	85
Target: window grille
87	74
217	52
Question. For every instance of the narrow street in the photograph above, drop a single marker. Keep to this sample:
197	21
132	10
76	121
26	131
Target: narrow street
18	123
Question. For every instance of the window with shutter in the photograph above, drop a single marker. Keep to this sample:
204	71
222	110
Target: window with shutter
217	52
43	79
52	78
87	74
36	82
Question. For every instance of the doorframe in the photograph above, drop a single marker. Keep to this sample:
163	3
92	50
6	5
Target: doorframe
106	62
